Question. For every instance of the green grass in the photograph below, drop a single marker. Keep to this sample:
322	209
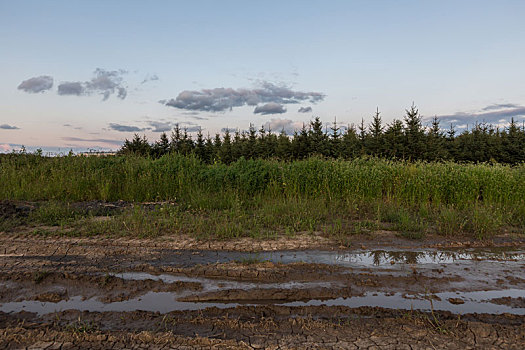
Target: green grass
265	198
40	275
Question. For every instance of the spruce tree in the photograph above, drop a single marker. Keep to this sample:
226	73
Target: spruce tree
176	139
414	134
335	140
375	144
225	150
200	150
283	148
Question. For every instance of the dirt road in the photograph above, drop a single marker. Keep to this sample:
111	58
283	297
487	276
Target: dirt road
61	293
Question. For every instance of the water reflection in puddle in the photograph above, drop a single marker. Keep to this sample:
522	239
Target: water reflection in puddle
381	257
213	285
349	258
473	302
152	301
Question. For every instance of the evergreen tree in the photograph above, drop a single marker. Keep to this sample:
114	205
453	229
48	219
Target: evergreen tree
351	144
398	140
186	143
301	144
251	145
435	142
138	146
271	144
317	138
176	139
217	143
161	147
284	147
394	140
261	144
236	145
200	149
414	134
225	149
335	148
209	150
375	140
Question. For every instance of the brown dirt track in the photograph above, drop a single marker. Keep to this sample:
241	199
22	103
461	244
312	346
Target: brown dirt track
58	269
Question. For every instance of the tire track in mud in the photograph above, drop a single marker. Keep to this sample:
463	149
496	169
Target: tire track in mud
286	299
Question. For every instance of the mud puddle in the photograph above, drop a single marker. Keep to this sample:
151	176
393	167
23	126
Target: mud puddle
209	285
164	302
459	281
346	258
455	302
152	301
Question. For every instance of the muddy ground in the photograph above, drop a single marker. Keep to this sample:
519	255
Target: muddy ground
290	293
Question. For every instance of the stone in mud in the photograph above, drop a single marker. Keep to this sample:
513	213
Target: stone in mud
53	297
456	301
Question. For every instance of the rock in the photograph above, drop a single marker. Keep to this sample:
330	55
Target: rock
456	301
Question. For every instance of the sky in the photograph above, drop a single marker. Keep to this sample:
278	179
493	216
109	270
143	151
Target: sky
89	74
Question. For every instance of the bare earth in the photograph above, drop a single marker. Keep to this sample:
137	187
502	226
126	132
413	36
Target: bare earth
383	292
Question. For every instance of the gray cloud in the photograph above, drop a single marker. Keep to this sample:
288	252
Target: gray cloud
189	126
195	128
8	127
71	88
305	109
493	114
103	82
223	99
230	130
72	126
277	125
160	126
196	117
36	84
125	128
78	139
270	108
122	93
150	78
500	106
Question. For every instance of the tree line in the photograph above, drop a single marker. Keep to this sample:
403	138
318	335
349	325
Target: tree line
406	139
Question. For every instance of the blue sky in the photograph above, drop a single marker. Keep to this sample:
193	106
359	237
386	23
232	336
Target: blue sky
79	74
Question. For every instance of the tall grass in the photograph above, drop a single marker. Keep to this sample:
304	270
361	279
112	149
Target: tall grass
450	194
174	177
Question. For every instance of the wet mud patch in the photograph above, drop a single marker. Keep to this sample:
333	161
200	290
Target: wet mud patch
265	271
119	287
269	295
518	302
55	287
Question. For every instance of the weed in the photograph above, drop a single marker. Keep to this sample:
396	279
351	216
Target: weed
53	213
257	198
107	279
40	276
483	222
80	326
450	221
